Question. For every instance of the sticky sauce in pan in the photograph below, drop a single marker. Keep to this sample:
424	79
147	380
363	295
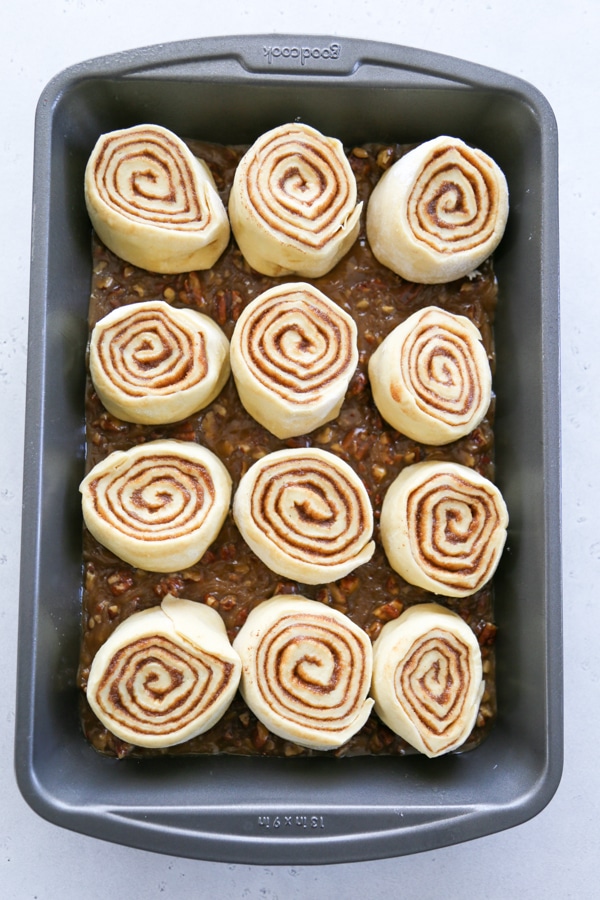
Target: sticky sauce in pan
230	578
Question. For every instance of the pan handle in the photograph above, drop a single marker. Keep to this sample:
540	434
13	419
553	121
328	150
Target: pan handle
327	56
313	57
292	836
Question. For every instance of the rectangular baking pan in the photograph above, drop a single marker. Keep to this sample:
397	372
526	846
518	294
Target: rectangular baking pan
254	810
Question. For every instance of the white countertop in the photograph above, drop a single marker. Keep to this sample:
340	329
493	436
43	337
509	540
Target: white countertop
550	43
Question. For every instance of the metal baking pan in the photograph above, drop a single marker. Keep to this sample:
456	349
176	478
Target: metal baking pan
254	810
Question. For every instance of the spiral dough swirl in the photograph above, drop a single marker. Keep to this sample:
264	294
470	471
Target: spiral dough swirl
164	675
152	202
306	514
293	353
453	201
443	527
158	505
431	377
427	678
306	671
144	175
438	212
293	206
153	364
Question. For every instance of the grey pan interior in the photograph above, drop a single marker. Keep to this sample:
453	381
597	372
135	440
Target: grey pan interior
314	810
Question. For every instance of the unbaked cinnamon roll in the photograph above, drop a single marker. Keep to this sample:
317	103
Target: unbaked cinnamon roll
293	353
431	377
159	505
292	205
306	514
165	674
154	364
443	527
306	671
427	678
153	203
438	212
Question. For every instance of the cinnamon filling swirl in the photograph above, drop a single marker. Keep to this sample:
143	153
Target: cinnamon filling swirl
438	212
293	204
158	505
306	671
164	675
154	364
144	174
443	527
427	678
293	353
455	200
431	377
153	203
306	514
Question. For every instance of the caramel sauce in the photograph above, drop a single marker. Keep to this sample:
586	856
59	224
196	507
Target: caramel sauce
230	578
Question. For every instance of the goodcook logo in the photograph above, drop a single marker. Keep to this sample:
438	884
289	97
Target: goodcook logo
302	55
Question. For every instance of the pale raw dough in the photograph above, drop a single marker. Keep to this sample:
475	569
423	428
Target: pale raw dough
427	678
153	203
154	364
431	377
443	527
293	353
173	669
306	671
293	203
306	514
438	212
159	505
